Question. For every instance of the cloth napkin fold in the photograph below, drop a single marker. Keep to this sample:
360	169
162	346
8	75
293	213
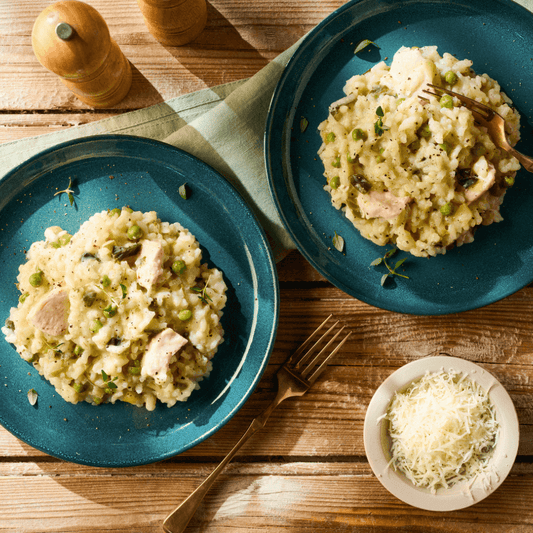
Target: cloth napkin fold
223	126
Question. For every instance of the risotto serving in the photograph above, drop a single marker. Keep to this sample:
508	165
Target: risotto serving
122	310
411	169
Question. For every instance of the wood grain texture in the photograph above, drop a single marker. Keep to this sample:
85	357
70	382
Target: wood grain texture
307	470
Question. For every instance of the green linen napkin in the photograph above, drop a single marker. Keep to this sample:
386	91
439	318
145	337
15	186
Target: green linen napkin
223	126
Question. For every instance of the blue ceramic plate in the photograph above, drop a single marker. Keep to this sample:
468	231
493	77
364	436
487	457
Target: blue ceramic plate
497	35
108	172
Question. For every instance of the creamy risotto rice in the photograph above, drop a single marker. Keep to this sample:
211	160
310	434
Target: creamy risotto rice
122	310
415	170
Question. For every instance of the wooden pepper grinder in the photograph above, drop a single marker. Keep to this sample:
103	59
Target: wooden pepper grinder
71	39
174	22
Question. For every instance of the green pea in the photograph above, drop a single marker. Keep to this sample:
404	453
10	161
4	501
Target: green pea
380	158
36	279
178	266
446	101
185	314
134	370
64	239
115	211
110	311
97	400
22	297
78	350
89	298
330	137
451	77
334	182
336	162
77	387
96	326
106	282
509	180
134	233
447	209
424	131
358	134
349	158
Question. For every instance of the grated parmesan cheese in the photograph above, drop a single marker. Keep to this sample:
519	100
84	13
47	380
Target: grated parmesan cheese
443	430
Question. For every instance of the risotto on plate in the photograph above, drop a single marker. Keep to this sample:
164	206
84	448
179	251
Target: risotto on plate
124	309
411	169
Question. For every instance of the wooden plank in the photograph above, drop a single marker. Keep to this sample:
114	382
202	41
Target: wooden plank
235	44
274	496
329	419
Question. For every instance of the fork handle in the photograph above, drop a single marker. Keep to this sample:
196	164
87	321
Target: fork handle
177	521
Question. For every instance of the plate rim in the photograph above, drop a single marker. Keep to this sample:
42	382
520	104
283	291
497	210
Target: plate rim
437	309
273	282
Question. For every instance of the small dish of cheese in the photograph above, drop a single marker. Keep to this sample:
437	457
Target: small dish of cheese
441	433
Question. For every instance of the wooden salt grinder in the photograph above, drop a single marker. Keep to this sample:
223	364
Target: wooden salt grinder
71	39
174	22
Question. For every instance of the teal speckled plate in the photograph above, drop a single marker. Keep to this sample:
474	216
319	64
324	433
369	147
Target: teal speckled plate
112	171
497	35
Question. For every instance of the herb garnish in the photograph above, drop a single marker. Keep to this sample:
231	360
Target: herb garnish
202	293
32	396
378	125
68	191
338	242
363	44
392	271
303	124
111	386
184	191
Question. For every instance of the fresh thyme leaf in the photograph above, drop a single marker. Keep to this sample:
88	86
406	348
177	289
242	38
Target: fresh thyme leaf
68	191
376	262
361	45
384	279
390	253
379	112
105	377
303	124
32	396
399	263
338	242
124	290
184	191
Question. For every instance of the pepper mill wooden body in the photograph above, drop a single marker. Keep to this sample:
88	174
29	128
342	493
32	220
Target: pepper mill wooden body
174	22
71	39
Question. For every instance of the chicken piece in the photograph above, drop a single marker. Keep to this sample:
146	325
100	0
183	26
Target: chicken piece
50	315
410	72
382	204
156	359
486	176
150	263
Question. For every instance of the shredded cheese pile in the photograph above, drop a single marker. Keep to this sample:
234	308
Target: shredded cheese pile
443	430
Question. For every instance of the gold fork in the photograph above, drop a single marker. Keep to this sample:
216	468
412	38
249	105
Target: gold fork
294	379
488	118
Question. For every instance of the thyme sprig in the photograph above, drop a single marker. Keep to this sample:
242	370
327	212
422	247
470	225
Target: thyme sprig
68	191
202	293
110	385
392	271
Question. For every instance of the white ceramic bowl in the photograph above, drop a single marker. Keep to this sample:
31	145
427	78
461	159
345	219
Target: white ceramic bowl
461	495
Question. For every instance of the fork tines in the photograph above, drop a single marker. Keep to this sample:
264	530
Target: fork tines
320	358
480	111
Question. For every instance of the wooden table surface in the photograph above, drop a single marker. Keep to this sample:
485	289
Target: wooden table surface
307	470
